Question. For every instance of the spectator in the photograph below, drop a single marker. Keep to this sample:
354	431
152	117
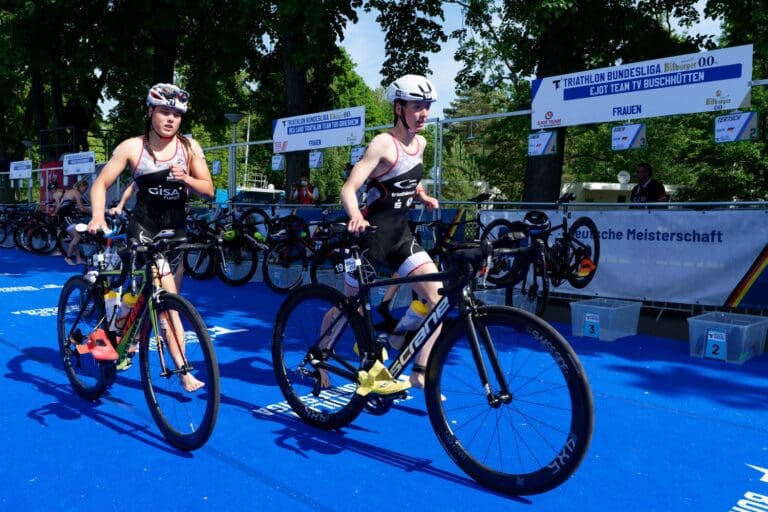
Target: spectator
305	192
647	190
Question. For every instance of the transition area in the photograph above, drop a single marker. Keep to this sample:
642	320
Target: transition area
672	432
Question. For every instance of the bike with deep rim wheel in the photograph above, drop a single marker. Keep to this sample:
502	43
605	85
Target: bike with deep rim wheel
506	395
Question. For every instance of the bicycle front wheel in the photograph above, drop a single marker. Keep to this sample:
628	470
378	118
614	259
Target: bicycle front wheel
79	315
530	440
176	355
237	263
314	356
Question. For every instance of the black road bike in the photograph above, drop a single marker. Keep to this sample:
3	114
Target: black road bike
506	395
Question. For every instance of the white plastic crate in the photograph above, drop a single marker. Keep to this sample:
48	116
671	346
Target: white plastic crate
605	319
729	337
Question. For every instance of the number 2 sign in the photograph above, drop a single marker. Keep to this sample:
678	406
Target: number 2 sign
717	344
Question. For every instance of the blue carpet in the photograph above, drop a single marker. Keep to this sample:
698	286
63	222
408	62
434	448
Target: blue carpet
672	432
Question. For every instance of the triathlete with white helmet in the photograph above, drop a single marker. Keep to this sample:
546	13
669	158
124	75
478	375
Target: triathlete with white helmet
393	167
165	166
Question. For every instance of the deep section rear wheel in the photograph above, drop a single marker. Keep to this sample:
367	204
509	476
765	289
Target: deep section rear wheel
529	441
583	252
77	317
186	418
314	356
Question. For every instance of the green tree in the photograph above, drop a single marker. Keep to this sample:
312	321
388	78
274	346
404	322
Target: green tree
505	42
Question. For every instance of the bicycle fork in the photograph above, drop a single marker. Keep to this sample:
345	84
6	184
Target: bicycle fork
503	395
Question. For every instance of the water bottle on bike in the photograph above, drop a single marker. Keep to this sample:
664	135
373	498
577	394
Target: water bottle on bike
408	323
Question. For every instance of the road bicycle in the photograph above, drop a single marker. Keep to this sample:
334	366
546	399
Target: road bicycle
506	395
572	255
232	246
166	330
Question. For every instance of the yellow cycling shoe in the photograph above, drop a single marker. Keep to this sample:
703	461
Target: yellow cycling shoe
379	381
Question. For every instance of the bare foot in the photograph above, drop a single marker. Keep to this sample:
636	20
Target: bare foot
417	380
190	383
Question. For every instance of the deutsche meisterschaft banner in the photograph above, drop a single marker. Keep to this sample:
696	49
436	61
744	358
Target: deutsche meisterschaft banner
685	84
334	128
715	257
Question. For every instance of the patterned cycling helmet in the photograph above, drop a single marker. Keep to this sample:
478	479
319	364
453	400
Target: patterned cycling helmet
53	185
537	222
411	88
168	95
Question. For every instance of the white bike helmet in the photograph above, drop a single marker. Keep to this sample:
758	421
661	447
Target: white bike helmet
168	95
411	88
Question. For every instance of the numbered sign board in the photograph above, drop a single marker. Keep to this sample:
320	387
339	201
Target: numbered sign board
79	163
591	325
356	154
628	136
717	344
21	170
735	127
315	159
542	143
278	162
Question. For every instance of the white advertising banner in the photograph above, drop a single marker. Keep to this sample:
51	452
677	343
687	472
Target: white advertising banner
628	136
716	258
334	128
21	169
736	126
79	163
684	84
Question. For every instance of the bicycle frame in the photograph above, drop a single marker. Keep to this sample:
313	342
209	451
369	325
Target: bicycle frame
454	296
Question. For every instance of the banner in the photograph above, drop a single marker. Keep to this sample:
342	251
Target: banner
79	163
21	169
736	126
334	128
542	143
315	159
685	84
714	258
628	136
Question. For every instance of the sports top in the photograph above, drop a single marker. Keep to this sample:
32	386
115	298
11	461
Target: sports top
391	194
160	200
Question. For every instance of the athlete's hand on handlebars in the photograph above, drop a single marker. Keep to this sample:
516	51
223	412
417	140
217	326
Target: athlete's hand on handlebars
97	226
358	225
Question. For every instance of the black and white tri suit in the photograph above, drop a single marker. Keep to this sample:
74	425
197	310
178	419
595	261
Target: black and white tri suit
388	199
160	200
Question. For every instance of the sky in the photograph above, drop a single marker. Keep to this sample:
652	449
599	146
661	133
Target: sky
364	41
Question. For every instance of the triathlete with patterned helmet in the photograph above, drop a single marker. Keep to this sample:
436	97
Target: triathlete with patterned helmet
393	167
165	166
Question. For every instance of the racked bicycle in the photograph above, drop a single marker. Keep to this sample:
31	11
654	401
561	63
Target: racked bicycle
506	395
166	330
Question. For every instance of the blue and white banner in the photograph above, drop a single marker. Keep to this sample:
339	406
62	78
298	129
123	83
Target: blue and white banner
685	84
334	128
628	136
542	143
315	159
278	162
355	154
79	163
21	169
736	126
714	258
